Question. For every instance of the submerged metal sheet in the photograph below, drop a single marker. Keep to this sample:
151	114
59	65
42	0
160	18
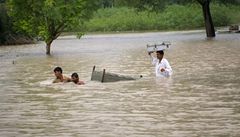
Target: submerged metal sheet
104	76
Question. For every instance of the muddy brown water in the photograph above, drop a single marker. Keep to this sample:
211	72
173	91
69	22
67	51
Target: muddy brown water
202	98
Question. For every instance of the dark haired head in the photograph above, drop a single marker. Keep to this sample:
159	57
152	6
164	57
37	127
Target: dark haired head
160	52
74	75
58	69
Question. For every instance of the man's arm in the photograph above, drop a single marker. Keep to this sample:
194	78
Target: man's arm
80	82
150	54
153	59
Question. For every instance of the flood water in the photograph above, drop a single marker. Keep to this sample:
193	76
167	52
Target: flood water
202	98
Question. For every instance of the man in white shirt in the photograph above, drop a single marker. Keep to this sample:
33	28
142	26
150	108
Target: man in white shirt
162	66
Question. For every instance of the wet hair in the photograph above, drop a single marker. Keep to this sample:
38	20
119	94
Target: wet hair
58	69
74	75
160	52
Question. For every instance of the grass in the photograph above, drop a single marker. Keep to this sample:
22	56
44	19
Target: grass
174	17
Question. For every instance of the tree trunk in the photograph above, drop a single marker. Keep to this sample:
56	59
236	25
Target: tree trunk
48	47
208	19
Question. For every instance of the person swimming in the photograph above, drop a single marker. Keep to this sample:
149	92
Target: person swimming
59	76
75	79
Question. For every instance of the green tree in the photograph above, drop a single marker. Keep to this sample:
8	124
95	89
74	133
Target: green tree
49	18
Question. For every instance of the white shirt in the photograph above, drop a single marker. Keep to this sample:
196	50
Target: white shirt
159	65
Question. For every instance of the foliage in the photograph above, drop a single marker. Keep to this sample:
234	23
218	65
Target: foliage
226	2
157	5
234	13
220	14
79	35
174	17
7	34
49	18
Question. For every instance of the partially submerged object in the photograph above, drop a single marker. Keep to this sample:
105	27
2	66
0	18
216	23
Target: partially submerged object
230	29
234	28
157	47
104	76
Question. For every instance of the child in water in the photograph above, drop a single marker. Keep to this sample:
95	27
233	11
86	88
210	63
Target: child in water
75	79
59	76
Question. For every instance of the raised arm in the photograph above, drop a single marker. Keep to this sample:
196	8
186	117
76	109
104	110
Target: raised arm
153	59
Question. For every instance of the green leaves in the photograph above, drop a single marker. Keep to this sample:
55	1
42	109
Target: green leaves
48	18
173	17
49	3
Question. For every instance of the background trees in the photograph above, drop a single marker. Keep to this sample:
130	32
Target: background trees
49	18
8	35
156	5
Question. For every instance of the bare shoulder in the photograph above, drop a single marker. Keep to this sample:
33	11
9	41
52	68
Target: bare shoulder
66	79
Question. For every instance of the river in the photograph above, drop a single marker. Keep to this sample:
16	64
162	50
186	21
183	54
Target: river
202	98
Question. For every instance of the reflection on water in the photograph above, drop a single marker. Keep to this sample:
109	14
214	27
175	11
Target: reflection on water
202	98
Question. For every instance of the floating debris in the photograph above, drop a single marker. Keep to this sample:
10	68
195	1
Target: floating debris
104	76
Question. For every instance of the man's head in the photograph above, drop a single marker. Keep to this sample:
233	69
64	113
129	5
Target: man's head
75	77
160	54
58	72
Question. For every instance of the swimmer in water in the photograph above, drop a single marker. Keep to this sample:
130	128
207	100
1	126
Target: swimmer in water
75	79
59	76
